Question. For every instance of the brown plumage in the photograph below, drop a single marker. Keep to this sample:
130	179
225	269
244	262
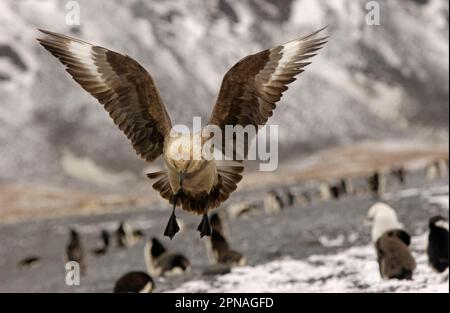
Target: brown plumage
394	258
248	96
253	86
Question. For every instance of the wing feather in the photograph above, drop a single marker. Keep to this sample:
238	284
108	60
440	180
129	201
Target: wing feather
253	86
124	88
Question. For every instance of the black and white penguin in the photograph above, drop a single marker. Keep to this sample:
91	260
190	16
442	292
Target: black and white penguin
29	262
273	203
437	169
103	243
134	282
304	198
242	209
161	262
291	199
394	258
75	251
377	183
219	251
437	249
399	174
126	236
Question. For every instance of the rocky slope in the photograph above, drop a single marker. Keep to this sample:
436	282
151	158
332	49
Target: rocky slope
370	82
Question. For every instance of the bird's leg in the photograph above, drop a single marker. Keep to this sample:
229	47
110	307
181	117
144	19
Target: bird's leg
204	227
172	226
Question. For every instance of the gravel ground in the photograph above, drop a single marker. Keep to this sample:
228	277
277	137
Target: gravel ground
302	233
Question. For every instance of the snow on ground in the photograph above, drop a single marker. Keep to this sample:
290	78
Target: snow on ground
352	270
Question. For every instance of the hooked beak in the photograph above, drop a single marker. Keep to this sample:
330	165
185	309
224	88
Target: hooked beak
181	176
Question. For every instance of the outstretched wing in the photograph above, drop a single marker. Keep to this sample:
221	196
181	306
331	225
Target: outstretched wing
121	85
252	87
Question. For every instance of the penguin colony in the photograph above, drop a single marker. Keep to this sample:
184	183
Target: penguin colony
389	237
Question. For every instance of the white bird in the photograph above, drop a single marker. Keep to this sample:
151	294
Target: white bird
382	218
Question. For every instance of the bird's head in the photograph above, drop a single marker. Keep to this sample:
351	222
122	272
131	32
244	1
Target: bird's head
380	211
184	154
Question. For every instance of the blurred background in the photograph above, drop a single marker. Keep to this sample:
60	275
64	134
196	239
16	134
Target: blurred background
376	97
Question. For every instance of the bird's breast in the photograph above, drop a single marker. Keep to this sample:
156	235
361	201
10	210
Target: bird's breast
200	181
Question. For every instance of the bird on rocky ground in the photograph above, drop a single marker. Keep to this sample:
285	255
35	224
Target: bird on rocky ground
382	218
126	236
273	203
75	251
161	262
437	249
242	209
103	243
376	182
247	97
134	282
218	247
394	258
29	262
399	173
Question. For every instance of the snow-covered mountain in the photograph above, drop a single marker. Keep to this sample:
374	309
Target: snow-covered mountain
386	81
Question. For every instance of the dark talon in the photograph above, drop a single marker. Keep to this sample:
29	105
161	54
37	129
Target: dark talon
204	227
172	226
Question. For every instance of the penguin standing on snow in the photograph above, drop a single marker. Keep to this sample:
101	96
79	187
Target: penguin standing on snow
104	243
377	183
29	262
382	218
242	209
273	203
161	262
399	173
219	251
126	236
394	258
290	197
75	251
134	282
437	249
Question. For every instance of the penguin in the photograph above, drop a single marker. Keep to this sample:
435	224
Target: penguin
273	203
376	183
104	243
219	251
432	171
325	191
335	191
437	249
290	197
382	218
134	282
242	209
29	262
223	253
304	198
161	262
394	258
437	169
126	236
399	173
75	251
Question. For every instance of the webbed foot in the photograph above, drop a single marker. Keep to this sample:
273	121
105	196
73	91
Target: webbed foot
204	227
172	226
